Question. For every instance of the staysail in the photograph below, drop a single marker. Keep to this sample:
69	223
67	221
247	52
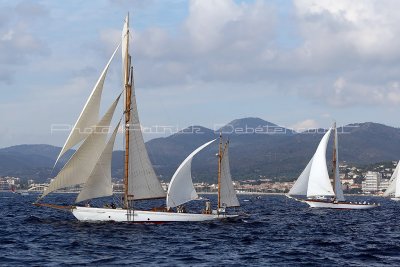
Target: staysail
78	168
301	185
181	189
394	183
228	196
89	115
99	183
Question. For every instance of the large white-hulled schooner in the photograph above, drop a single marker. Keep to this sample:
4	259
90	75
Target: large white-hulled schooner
314	186
90	165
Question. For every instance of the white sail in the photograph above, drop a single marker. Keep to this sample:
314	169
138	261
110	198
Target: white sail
301	185
89	115
318	181
228	196
181	189
394	186
99	182
125	50
338	183
142	180
397	192
81	164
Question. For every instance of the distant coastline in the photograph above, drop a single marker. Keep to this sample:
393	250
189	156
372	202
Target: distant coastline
199	193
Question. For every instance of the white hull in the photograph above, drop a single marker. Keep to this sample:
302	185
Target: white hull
90	214
395	199
339	205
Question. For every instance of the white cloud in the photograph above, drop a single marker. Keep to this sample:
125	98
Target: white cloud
214	43
304	125
207	20
7	36
345	55
350	51
328	57
17	43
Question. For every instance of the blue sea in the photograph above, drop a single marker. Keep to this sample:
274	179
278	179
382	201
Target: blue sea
278	232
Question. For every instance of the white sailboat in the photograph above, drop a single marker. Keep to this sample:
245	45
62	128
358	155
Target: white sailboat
90	166
314	183
394	185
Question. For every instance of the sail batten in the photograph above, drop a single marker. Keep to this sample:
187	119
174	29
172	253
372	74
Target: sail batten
78	168
228	196
89	115
99	183
181	188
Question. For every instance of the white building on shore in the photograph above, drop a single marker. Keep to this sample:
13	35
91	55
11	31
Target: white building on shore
374	183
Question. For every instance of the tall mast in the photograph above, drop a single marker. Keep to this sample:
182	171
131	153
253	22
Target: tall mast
128	93
219	169
334	157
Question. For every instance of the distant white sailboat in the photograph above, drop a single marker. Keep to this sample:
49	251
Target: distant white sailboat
394	185
90	166
314	183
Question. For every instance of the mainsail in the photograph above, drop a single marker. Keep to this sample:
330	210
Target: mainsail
81	164
142	182
394	183
99	182
89	115
181	189
228	196
338	184
314	180
319	183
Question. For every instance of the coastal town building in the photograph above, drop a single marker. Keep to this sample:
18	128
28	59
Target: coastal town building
9	183
372	182
373	179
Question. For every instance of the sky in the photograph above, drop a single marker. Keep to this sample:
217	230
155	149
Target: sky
298	64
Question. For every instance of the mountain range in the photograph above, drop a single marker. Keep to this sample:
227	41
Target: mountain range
258	148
